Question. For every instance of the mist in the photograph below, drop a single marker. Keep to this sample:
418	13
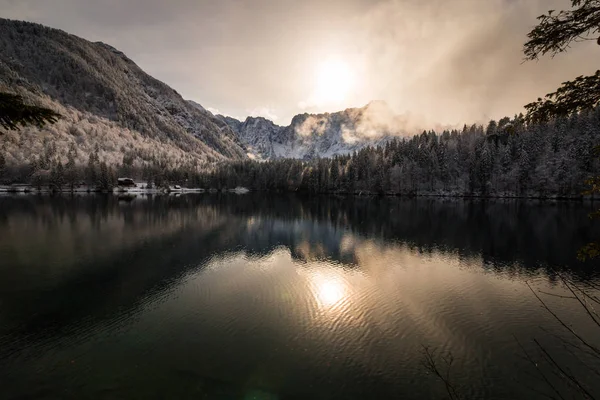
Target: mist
438	62
372	122
461	61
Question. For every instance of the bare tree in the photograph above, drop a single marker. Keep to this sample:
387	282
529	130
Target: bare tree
440	365
581	350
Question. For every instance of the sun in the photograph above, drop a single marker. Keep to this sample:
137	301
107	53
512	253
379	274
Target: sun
334	82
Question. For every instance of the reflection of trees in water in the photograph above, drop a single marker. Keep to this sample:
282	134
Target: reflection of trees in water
501	232
116	254
96	253
97	229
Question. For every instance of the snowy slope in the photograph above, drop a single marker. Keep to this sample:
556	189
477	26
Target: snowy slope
98	83
199	106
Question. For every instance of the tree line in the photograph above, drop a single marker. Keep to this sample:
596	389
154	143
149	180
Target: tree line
507	158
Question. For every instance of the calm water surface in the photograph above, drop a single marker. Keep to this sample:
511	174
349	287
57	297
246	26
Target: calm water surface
266	297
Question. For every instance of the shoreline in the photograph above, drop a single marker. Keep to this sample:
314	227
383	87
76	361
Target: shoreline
28	190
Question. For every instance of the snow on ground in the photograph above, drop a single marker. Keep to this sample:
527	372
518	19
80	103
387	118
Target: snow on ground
239	190
140	188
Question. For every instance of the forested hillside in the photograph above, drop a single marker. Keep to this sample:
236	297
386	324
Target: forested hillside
109	106
506	158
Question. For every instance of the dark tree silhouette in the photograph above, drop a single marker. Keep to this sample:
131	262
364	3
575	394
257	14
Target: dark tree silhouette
554	34
14	113
573	96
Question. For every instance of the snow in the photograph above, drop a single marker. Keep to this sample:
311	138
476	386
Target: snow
140	188
239	190
314	135
118	108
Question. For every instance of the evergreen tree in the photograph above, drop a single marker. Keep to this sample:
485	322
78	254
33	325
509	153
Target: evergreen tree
2	165
92	173
57	176
49	154
335	175
14	113
127	165
105	178
71	172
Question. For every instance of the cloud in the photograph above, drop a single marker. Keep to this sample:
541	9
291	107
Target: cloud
449	61
461	61
371	122
313	125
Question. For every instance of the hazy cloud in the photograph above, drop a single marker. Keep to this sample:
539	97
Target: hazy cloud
448	61
313	125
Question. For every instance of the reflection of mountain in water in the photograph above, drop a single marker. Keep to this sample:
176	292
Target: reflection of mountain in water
99	255
500	232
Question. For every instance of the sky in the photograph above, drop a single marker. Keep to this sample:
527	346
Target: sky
445	61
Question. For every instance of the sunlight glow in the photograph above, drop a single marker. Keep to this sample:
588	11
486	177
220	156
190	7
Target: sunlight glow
328	290
334	82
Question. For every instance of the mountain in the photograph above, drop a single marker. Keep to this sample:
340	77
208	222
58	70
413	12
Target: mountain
260	136
108	103
320	135
199	106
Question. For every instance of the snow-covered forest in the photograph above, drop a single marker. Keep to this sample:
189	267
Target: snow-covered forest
107	103
506	158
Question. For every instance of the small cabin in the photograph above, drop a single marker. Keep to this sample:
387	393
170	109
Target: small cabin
126	182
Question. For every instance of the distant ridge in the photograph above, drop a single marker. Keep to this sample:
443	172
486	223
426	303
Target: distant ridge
321	135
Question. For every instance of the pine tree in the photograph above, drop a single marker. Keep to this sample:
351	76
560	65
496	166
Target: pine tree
15	113
127	165
57	176
159	180
92	169
2	165
49	154
105	179
335	175
70	168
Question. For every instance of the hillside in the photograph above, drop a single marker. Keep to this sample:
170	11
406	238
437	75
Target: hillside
108	103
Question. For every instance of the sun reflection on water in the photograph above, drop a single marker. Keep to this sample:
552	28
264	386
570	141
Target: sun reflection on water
328	290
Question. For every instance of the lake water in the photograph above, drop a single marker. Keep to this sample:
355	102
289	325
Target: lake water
281	297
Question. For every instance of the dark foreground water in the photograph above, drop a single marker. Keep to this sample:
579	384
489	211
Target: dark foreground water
262	297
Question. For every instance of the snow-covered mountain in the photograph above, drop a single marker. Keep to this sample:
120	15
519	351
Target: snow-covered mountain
320	135
199	106
107	102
